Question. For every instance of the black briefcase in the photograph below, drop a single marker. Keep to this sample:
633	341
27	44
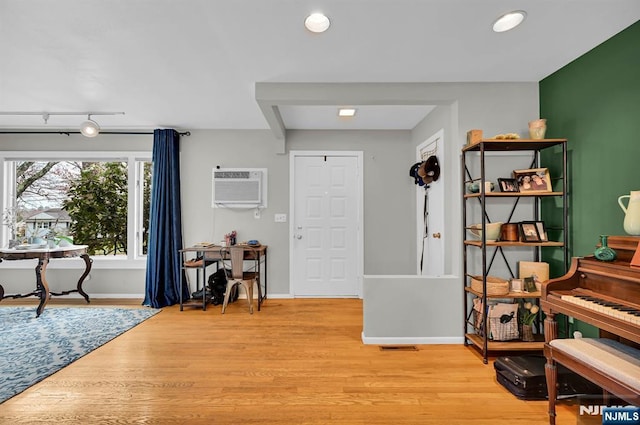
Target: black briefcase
524	377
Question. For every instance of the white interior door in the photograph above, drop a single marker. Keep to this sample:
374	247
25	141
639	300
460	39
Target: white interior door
325	226
431	228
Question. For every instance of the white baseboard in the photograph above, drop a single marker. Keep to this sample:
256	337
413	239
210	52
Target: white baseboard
411	340
133	296
280	296
101	295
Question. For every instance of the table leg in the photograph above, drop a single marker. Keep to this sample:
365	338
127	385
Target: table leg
42	287
87	269
264	295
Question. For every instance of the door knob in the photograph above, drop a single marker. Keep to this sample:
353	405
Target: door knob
298	236
436	235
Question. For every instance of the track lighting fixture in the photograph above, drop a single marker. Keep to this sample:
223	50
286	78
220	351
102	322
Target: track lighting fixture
88	128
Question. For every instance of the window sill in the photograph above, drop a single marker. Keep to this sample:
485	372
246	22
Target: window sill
99	263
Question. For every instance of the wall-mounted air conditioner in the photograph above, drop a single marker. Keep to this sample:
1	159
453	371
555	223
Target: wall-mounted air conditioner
239	188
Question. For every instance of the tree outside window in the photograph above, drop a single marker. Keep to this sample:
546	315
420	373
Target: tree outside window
87	200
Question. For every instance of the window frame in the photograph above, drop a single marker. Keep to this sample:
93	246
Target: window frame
135	163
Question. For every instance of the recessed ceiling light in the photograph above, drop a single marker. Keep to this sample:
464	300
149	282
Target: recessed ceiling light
317	22
346	112
509	21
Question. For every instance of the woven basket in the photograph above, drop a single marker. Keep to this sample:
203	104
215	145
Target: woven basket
495	285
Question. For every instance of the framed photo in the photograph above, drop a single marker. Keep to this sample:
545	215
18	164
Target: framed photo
533	180
541	231
516	285
529	231
508	185
530	285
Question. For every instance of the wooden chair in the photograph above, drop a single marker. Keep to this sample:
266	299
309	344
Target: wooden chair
233	261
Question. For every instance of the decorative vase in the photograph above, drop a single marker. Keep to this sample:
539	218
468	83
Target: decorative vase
537	128
36	240
527	333
631	222
604	253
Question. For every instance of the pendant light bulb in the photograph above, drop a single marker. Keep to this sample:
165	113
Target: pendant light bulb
89	128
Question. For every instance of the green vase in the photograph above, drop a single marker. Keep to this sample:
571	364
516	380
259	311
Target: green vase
604	253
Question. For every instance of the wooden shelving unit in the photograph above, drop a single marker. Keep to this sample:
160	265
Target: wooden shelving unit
525	244
510	295
200	269
511	195
479	342
481	338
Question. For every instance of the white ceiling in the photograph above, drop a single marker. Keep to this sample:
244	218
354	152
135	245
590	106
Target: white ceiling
193	64
371	117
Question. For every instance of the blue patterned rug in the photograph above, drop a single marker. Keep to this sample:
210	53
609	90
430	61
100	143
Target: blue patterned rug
33	348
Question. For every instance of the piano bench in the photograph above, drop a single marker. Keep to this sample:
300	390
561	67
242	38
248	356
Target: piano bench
610	364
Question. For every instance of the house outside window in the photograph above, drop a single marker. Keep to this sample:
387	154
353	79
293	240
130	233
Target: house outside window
51	219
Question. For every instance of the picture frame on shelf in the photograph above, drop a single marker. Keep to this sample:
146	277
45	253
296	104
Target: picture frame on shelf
516	285
508	185
529	284
529	231
539	270
534	180
542	232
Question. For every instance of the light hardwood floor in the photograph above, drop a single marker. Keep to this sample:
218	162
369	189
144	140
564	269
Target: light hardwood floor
297	361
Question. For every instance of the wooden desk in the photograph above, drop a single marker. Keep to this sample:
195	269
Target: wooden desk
212	254
43	256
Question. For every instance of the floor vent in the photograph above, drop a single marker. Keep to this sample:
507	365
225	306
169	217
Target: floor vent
398	348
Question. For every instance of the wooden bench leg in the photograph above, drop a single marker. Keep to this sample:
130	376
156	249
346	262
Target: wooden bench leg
551	374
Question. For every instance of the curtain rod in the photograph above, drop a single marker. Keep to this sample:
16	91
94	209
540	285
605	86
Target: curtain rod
134	133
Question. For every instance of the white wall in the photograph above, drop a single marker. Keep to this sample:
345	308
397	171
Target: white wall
385	197
401	309
389	210
412	310
387	192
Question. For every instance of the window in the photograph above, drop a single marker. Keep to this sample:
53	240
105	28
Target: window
97	199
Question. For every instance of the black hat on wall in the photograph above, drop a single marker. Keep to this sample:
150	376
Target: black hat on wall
429	171
425	172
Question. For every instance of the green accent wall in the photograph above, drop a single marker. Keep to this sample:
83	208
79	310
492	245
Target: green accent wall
594	102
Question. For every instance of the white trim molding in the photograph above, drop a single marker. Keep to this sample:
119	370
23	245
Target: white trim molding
411	340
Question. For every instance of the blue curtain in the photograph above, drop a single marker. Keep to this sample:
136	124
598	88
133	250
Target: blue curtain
165	224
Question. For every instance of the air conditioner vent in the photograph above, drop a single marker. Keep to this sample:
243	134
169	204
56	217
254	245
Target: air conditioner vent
231	174
239	188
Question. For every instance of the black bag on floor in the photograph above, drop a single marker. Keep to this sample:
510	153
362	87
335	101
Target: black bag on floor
524	377
218	286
